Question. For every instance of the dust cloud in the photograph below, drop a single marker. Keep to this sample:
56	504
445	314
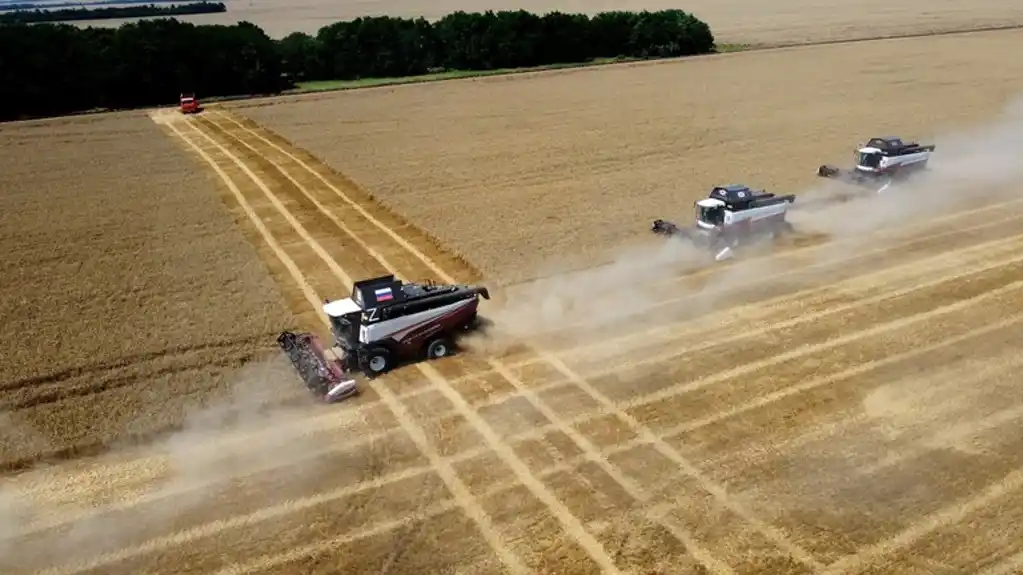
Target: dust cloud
969	168
218	446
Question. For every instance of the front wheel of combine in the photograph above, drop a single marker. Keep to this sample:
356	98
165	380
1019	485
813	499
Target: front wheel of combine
438	348
378	361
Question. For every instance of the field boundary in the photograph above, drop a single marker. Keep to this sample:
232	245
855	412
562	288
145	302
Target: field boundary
252	100
731	50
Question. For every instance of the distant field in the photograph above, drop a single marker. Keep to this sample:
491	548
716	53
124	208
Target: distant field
606	150
733	21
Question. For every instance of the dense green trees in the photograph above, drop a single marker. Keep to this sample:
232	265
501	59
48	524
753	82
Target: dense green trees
50	69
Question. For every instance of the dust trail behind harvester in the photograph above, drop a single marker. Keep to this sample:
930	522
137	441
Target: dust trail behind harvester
587	303
969	167
195	468
975	166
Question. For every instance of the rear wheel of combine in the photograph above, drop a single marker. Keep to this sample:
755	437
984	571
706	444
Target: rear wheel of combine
378	361
438	348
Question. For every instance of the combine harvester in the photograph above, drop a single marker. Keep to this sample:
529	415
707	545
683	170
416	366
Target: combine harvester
731	216
189	104
383	323
881	162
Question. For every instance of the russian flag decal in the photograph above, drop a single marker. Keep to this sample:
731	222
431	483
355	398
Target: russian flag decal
384	294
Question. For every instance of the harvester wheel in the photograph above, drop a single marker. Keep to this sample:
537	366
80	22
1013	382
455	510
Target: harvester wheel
378	361
438	348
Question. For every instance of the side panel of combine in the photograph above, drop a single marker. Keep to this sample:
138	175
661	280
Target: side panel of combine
409	333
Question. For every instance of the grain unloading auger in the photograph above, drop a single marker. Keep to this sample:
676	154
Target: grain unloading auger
383	323
731	216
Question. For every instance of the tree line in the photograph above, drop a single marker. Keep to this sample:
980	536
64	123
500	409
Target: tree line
53	69
108	12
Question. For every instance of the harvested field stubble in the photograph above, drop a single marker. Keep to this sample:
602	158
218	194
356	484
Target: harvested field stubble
128	293
604	151
735	21
858	410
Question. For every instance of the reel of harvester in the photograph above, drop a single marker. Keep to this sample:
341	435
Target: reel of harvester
323	372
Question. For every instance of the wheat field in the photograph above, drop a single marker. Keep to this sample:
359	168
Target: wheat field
843	404
605	151
733	21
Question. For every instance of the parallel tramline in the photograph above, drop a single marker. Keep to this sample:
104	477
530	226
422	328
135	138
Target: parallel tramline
632	439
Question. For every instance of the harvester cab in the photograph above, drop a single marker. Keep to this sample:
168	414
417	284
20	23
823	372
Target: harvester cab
710	213
880	162
730	216
382	323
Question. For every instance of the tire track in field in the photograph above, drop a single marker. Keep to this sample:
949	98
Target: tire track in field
1007	325
765	310
247	506
187	538
836	354
991	321
875	443
128	361
253	479
116	477
576	437
953	513
580	441
892	368
393	228
1010	566
758	297
272	562
543	474
995	550
988	380
54	393
800	307
897	239
735	362
755	452
570	523
799	269
844	396
459	491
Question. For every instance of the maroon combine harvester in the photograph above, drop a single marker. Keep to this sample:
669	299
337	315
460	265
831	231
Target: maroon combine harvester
383	323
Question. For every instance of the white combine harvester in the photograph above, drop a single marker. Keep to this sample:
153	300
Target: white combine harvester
730	216
383	323
881	162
